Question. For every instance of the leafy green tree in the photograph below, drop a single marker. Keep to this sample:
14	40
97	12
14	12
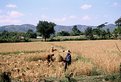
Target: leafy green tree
115	33
63	33
102	25
75	31
100	31
103	34
118	22
45	28
5	33
89	33
12	37
31	34
108	33
118	29
96	32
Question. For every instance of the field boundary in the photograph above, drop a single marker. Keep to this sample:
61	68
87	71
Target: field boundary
21	52
99	78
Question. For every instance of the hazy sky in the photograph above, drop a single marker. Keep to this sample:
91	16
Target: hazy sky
62	12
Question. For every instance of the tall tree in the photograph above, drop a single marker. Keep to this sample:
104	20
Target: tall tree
101	32
63	33
45	28
118	29
89	33
75	31
96	32
31	34
108	33
102	25
118	22
115	33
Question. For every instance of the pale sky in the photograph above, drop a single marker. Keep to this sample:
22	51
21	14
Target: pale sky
61	12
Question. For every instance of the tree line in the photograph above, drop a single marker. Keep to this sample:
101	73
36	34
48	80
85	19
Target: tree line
6	36
46	30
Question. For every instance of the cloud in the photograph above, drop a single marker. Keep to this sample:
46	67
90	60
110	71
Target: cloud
15	14
11	6
86	18
116	4
11	17
6	19
86	6
0	11
9	21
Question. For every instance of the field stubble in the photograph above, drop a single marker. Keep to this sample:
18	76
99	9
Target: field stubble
87	56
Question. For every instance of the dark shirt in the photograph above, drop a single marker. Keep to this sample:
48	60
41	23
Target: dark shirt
68	57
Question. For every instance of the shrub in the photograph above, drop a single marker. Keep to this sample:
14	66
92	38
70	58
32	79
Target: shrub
13	37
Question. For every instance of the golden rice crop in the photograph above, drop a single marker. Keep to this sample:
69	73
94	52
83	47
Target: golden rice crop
103	54
86	55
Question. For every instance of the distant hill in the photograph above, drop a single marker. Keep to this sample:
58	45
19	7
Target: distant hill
110	26
82	28
18	28
58	28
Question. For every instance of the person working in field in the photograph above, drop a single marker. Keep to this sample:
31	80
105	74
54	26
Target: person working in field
50	56
67	59
53	49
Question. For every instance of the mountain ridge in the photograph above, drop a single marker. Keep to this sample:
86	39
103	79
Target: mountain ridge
58	28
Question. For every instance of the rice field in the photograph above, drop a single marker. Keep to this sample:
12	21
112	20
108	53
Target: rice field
24	62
